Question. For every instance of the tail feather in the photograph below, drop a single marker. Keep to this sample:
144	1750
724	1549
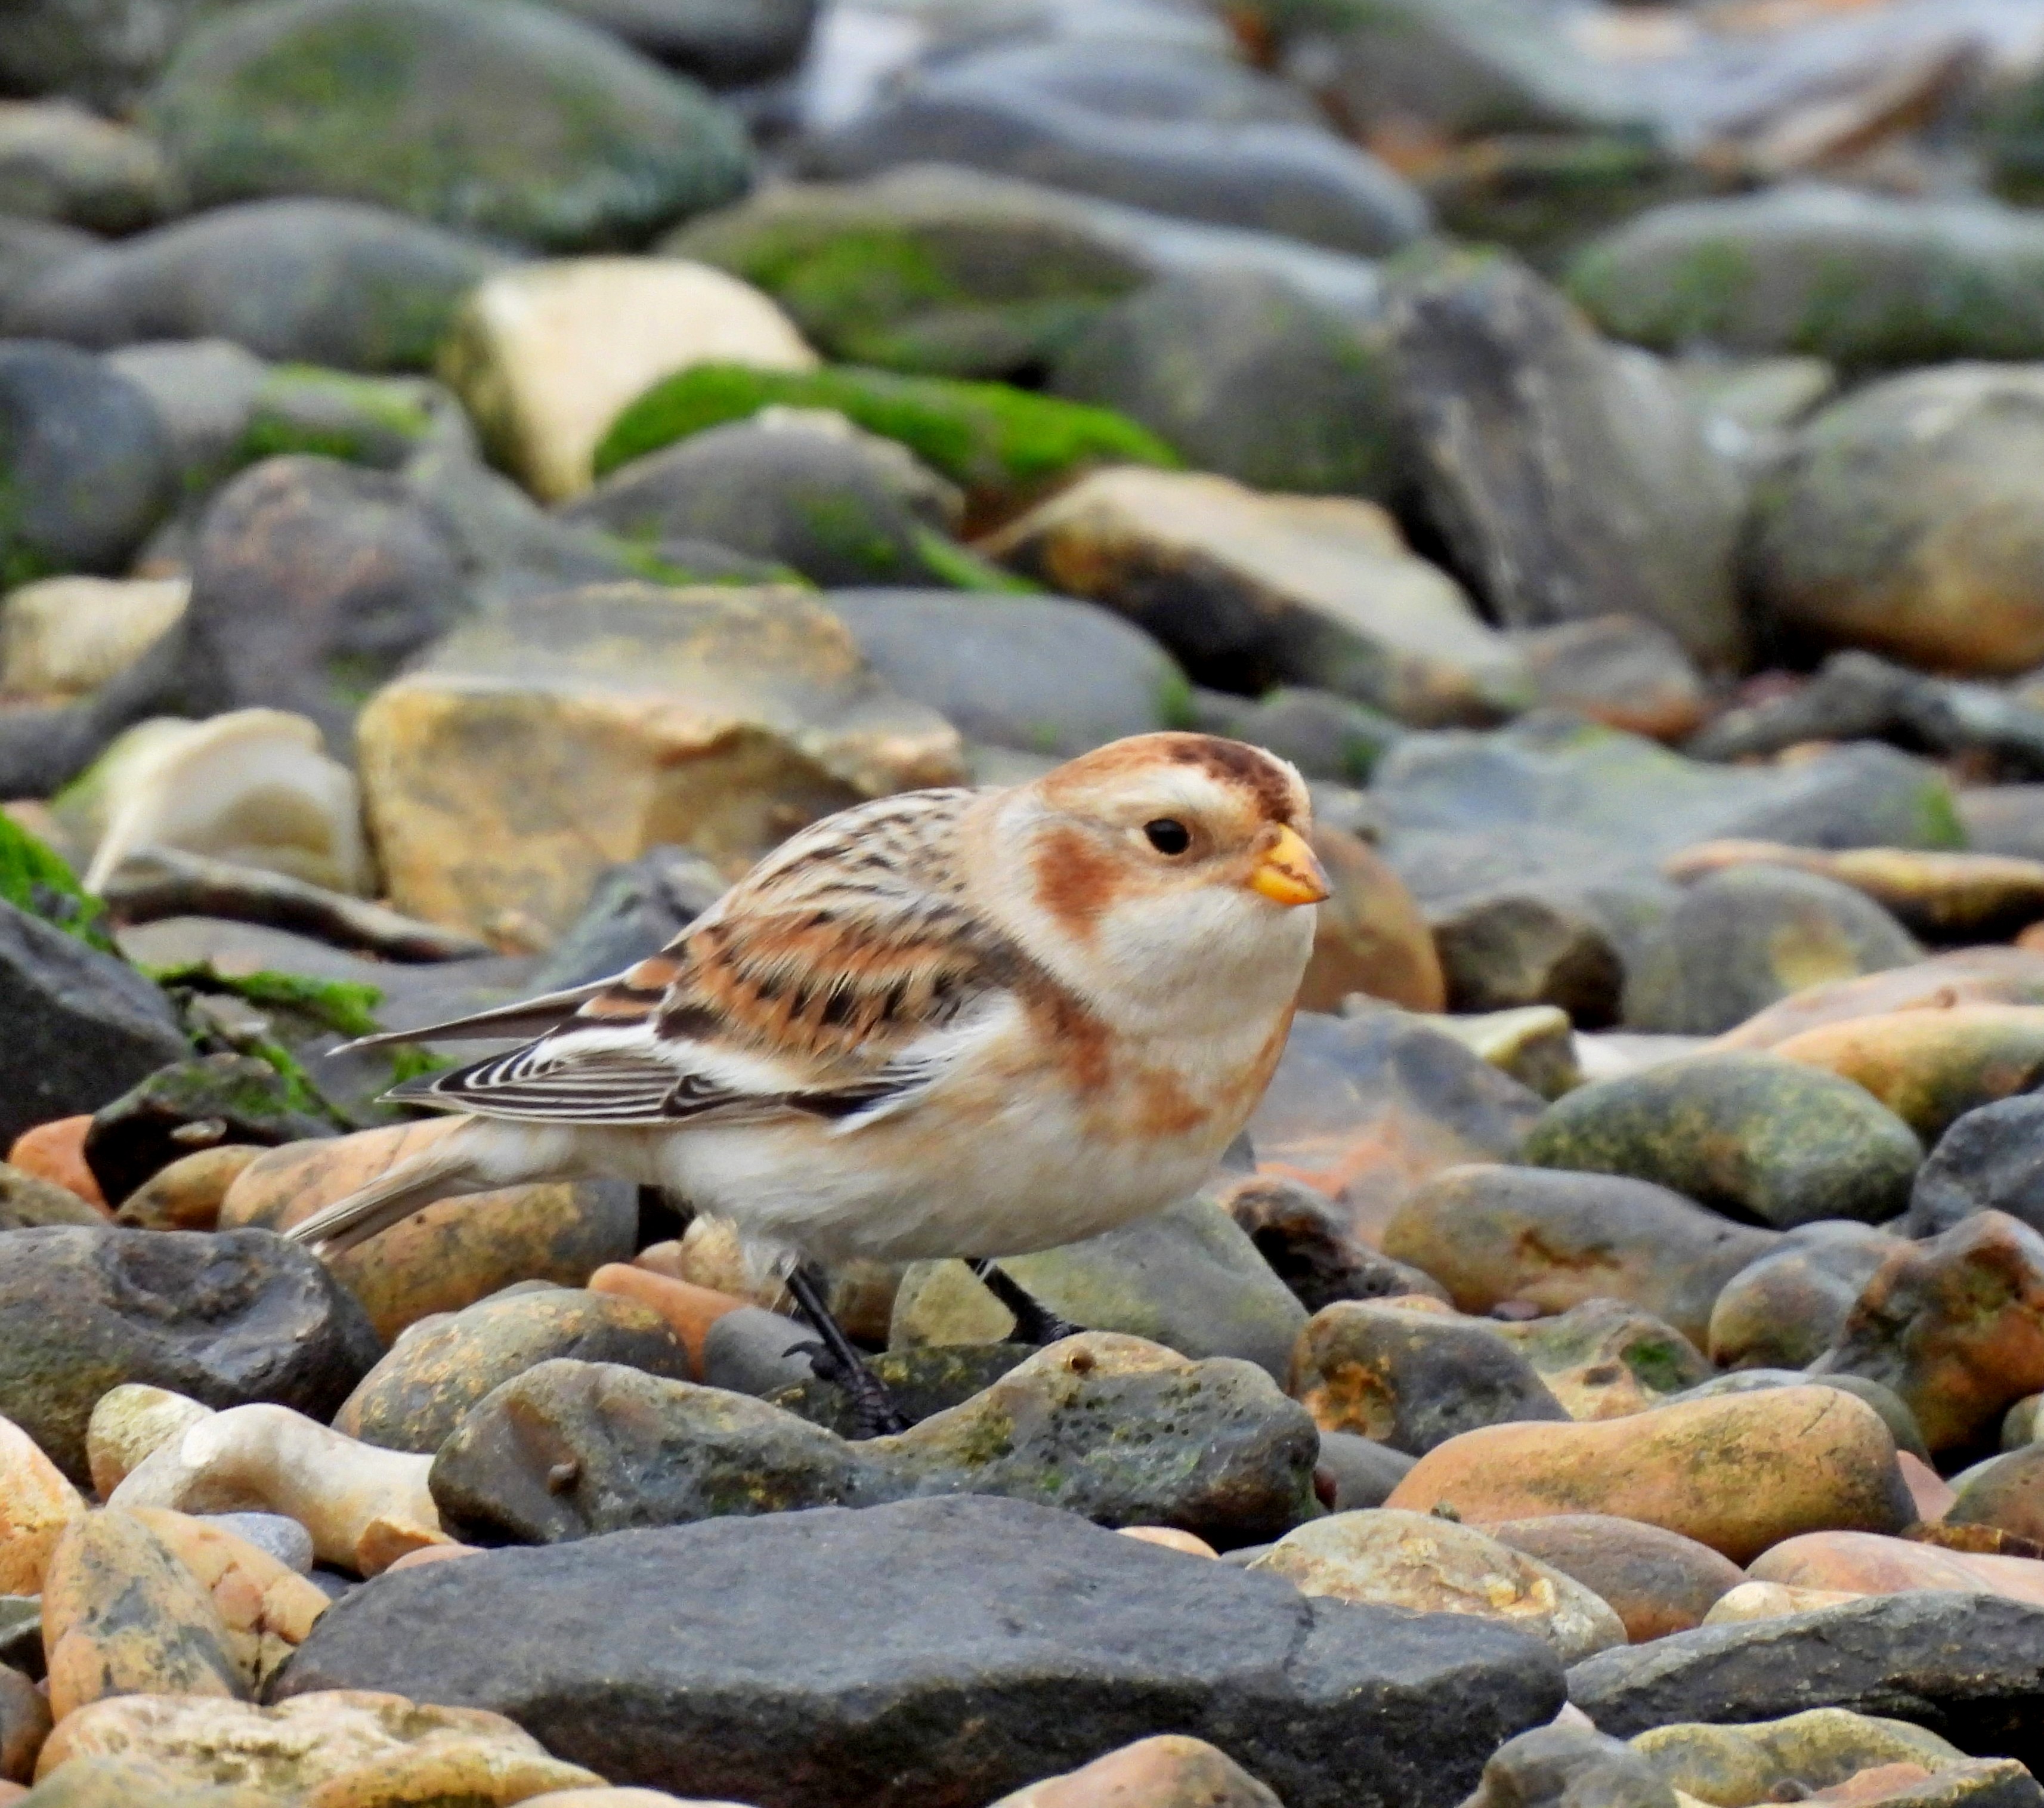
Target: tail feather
448	1168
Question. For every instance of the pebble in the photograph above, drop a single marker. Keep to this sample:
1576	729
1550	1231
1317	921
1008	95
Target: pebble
37	1502
25	1724
1432	1565
1656	1581
1169	1771
2006	1492
1779	1462
1862	1563
1816	1750
130	1421
1930	1067
1785	1308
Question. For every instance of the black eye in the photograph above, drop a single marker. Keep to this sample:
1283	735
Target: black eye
1167	836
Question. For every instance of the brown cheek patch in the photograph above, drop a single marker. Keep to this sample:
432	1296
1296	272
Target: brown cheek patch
1075	882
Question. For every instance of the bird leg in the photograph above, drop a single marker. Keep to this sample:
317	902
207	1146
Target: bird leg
837	1361
1035	1322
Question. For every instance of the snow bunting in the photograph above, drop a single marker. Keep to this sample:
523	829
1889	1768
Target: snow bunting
955	1022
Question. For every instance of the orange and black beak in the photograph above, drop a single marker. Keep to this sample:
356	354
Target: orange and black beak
1288	873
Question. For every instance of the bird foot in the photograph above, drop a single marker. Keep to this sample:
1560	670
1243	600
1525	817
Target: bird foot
874	1409
1035	1322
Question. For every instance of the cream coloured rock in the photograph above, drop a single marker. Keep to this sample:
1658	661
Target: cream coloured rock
532	749
1436	1566
129	1421
36	1503
254	787
332	1748
547	356
1300	590
364	1507
1770	1600
64	636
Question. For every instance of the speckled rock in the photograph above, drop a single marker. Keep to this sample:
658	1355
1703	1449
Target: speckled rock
1894	1414
2008	1492
1967	1666
267	1606
1604	1359
1413	1379
1187	1278
122	1615
415	1397
36	1504
1955	1325
1729	1767
1434	1566
701	1686
1741	939
1931	1067
25	1724
28	1200
1751	1134
1362	1109
453	1253
1788	1460
129	1421
570	1449
1862	1563
342	1748
226	1319
1785	1309
924	1382
135	1137
1567	1764
1656	1581
1553	1239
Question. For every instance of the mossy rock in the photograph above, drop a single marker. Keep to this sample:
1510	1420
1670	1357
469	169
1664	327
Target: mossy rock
34	877
512	121
189	1106
1754	1136
999	443
359	420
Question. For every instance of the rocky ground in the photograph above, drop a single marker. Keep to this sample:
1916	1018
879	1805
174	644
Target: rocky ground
474	475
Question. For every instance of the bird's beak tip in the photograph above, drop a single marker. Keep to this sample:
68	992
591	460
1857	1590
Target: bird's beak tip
1289	874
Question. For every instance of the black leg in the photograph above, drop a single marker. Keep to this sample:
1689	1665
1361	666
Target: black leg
839	1361
1035	1322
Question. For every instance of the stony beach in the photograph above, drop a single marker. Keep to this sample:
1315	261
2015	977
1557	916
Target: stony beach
476	476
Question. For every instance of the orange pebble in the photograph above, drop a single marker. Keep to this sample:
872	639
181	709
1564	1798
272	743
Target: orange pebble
1933	1494
689	1310
432	1554
1171	1538
56	1151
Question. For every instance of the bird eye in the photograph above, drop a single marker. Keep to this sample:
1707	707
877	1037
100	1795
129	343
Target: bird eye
1168	836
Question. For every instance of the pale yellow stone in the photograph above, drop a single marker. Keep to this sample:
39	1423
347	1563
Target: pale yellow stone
537	746
1770	1600
36	1503
1317	567
334	1749
547	356
254	787
129	1421
64	636
365	1507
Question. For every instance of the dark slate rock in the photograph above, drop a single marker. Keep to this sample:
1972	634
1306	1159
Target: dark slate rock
81	1026
512	121
1133	123
1968	1666
722	42
569	1449
1363	1471
1590	489
101	51
1310	1248
187	1106
85	464
1248	374
312	581
228	1319
311	281
635	910
1990	1159
1045	673
1739	940
934	1653
841	509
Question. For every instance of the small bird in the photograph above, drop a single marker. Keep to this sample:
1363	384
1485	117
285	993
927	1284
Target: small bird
956	1022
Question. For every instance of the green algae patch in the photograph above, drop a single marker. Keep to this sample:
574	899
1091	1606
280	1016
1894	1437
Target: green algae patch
1001	443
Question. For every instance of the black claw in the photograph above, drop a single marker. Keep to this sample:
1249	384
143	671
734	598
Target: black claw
836	1360
1035	1322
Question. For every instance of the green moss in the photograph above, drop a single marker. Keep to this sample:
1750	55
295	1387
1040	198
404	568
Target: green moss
340	1004
333	414
963	569
410	1061
991	438
34	878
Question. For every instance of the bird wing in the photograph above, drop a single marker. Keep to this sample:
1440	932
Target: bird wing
839	978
